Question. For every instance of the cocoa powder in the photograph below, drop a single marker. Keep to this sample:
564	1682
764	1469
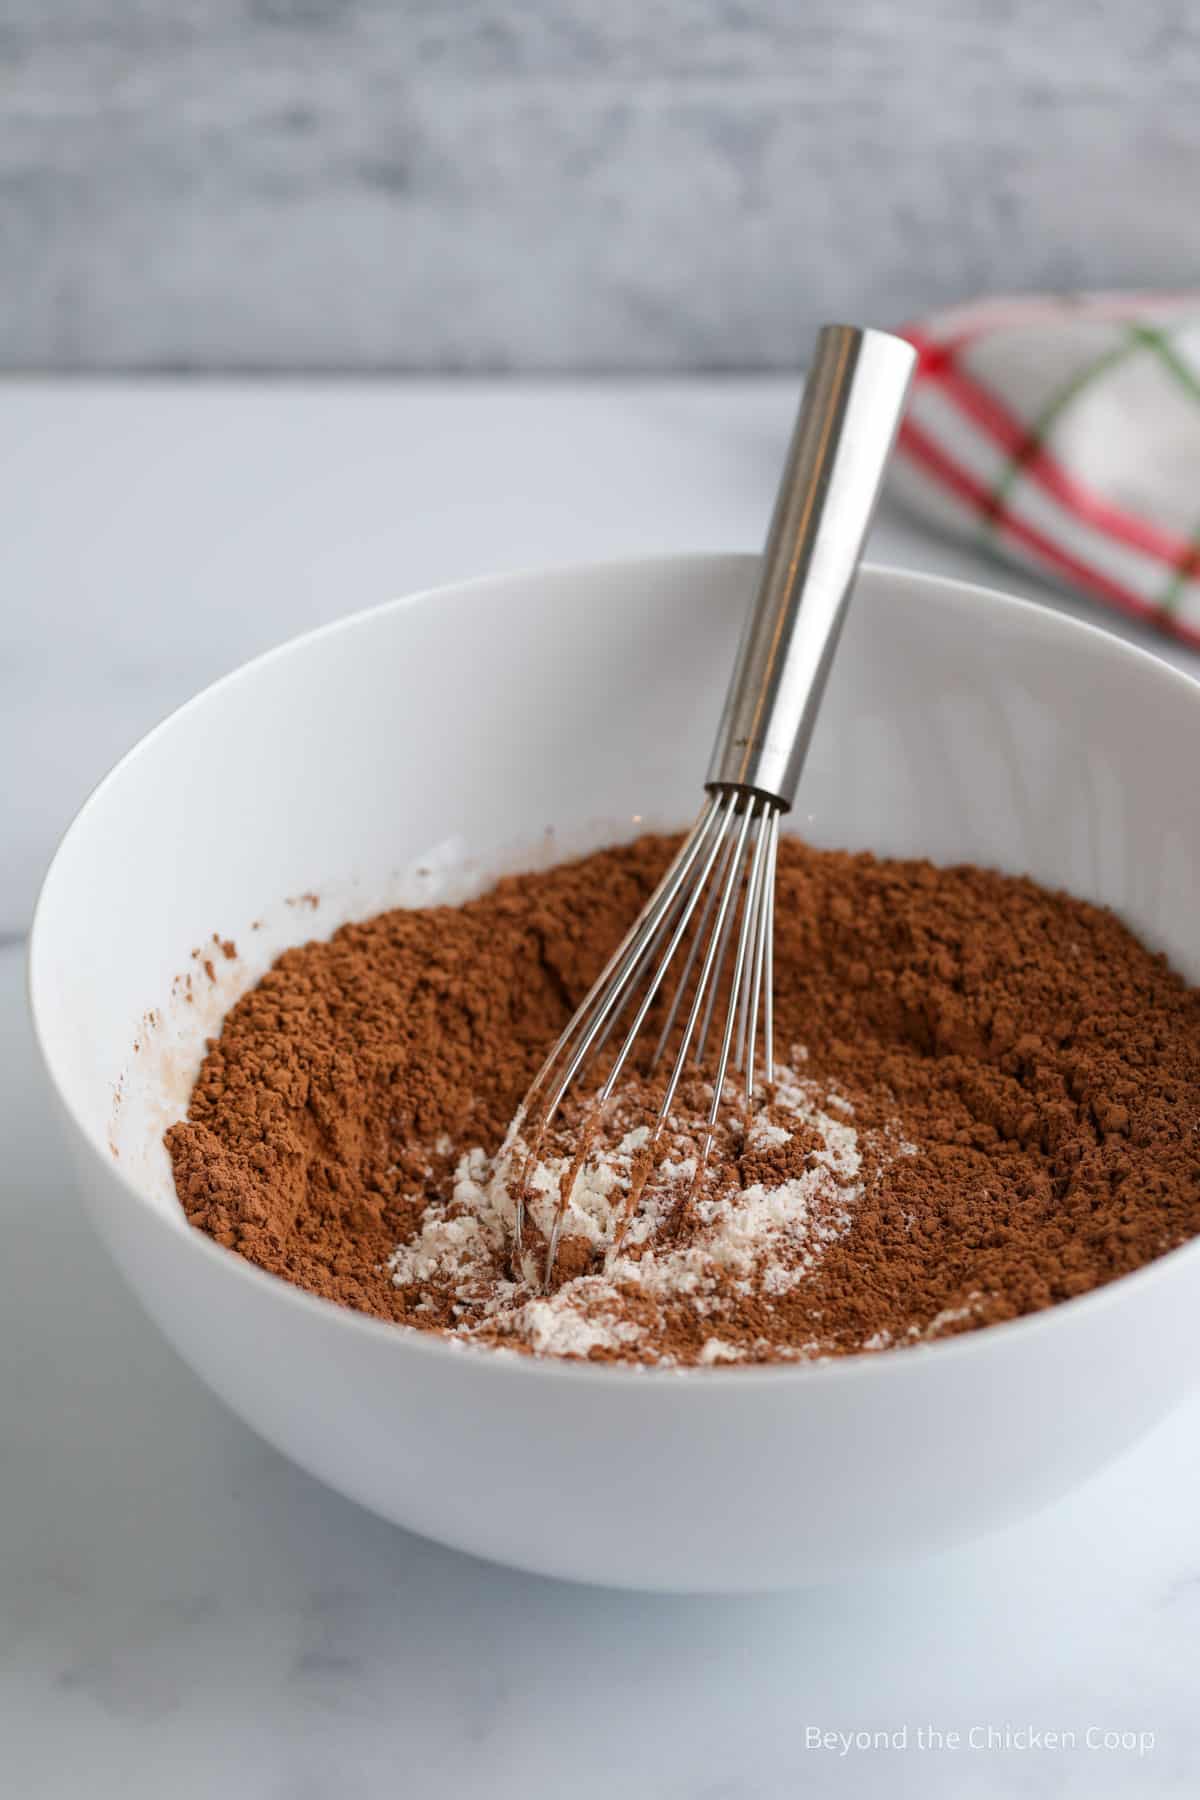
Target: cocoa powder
1037	1066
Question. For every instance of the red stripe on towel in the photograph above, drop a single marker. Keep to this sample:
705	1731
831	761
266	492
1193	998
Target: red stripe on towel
1035	460
930	456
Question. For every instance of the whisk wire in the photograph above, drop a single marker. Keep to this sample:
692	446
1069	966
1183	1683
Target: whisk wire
612	985
739	966
769	962
764	920
660	927
743	989
602	1002
700	937
718	878
748	997
676	938
722	934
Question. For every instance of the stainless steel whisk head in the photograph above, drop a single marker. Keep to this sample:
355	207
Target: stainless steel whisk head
719	890
720	886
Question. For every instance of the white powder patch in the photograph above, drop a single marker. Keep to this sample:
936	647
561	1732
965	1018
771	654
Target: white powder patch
950	1315
763	1134
555	1329
445	1247
762	1239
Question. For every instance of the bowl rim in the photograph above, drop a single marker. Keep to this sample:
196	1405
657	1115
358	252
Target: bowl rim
1047	620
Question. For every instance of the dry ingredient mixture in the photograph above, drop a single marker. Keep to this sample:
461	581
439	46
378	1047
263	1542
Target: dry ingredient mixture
991	1102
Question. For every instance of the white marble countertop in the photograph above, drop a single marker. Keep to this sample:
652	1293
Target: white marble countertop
183	1613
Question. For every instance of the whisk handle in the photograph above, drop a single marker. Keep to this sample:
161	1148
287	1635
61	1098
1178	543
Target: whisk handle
853	402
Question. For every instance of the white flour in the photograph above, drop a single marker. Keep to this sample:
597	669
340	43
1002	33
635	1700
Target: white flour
763	1239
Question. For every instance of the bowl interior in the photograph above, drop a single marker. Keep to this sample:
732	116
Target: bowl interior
416	751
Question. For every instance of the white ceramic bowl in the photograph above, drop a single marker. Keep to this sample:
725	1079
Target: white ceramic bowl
449	731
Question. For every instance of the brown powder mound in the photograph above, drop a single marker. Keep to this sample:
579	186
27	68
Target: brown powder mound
1043	1063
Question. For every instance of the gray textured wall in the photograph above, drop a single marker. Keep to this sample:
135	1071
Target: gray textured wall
571	183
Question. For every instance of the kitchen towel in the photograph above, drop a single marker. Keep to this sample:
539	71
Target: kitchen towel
1064	433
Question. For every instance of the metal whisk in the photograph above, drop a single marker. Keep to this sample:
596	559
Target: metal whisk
720	886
